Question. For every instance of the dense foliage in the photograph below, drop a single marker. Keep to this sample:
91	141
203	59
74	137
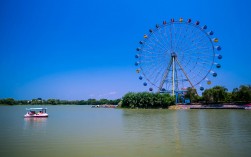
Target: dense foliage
147	100
220	94
215	94
242	94
8	101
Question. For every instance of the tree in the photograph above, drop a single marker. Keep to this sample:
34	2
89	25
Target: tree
228	97
8	101
215	94
53	101
114	102
129	100
168	100
191	94
103	101
207	95
242	94
219	93
92	102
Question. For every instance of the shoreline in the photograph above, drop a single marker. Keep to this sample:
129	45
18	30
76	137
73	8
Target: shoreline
217	106
172	107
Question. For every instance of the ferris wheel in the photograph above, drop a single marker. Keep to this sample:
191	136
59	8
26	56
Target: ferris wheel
176	55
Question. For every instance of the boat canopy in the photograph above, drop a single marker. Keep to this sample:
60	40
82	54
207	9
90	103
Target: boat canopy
36	108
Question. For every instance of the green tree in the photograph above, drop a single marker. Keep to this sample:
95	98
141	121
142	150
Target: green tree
8	101
129	100
168	100
191	94
207	95
53	101
103	101
242	94
215	94
114	102
228	97
92	102
219	93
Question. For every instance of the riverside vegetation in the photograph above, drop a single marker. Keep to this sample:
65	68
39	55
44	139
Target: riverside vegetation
215	95
40	101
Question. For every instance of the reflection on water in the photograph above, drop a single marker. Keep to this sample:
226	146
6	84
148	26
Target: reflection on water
188	132
35	123
94	132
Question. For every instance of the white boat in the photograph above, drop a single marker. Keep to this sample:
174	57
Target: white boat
36	112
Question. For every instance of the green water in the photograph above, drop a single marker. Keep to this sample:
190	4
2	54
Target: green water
82	131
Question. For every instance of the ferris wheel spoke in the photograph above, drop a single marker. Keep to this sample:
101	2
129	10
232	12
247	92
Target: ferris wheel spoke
152	71
150	49
174	38
160	38
151	52
188	33
198	42
171	37
157	40
156	55
202	58
151	44
179	38
198	54
158	46
166	38
178	32
151	62
193	49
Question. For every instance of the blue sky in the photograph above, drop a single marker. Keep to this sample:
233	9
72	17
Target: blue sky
82	49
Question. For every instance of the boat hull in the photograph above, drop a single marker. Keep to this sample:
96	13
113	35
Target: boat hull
248	108
36	115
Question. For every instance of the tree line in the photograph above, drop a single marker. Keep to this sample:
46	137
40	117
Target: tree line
40	101
220	94
215	95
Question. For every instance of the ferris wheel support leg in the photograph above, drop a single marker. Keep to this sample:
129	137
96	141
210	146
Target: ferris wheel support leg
176	98
184	73
173	59
165	75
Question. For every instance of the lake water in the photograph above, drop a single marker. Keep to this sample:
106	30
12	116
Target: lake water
82	131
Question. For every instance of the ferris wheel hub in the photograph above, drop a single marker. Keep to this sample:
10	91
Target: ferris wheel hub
173	54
